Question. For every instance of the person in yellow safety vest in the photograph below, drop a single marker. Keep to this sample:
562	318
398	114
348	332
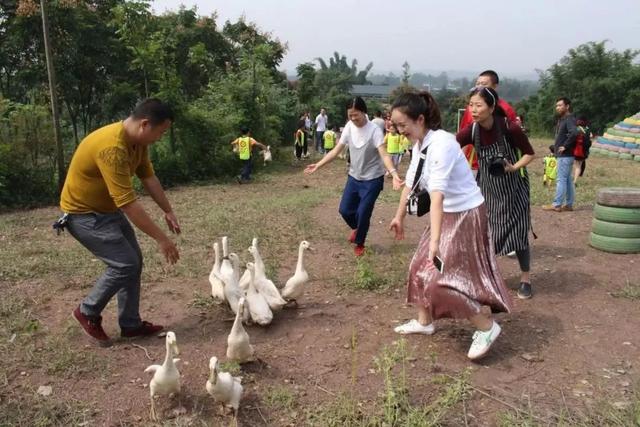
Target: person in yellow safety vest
394	140
329	139
300	144
243	145
404	146
550	168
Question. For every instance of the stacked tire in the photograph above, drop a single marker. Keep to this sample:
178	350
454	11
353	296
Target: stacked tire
622	141
616	221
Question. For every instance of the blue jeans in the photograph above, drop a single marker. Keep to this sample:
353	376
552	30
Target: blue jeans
247	166
565	192
111	239
320	141
357	203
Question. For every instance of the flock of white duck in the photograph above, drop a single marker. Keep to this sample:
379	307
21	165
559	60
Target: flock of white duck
253	298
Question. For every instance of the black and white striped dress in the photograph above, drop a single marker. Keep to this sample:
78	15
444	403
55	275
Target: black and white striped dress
506	196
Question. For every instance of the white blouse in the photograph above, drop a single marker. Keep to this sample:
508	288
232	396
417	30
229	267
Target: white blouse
445	170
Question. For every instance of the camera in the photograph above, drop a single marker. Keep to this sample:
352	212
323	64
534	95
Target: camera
418	203
497	165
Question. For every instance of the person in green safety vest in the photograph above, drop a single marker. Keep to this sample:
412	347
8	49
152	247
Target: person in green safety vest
300	138
550	168
243	145
405	146
329	137
394	146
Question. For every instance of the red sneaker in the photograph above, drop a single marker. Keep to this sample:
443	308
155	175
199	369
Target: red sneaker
92	327
358	250
352	237
144	330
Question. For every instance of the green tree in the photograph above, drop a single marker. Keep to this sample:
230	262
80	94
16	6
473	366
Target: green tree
333	83
306	87
603	85
27	155
406	73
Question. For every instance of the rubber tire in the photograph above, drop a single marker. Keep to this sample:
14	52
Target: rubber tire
619	197
626	156
614	229
614	245
617	214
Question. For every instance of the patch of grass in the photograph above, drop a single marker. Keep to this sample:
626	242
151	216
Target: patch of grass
394	406
230	366
280	219
16	316
515	419
603	413
60	356
343	411
457	389
202	302
366	276
279	398
630	291
31	410
28	341
395	396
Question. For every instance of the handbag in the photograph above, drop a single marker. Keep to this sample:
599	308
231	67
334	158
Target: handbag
419	201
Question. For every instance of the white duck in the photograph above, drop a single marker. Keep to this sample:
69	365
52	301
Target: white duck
258	305
226	267
232	291
295	285
262	284
266	154
257	261
224	388
238	346
166	378
217	287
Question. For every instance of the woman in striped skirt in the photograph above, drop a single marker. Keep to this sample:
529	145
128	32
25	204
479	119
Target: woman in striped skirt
503	153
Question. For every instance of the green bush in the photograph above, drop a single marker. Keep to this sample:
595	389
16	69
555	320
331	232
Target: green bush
27	172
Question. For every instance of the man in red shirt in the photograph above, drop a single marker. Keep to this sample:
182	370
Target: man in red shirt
488	78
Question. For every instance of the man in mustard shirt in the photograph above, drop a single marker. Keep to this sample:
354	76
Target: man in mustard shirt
97	194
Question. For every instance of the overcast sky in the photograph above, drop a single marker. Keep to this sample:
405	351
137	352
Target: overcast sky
512	37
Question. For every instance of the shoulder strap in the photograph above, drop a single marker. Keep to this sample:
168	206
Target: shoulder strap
475	137
418	175
502	135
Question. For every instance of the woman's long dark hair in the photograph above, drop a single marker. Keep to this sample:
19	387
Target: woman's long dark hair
490	97
357	103
421	103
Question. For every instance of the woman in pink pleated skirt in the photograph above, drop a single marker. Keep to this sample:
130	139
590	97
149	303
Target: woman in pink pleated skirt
468	285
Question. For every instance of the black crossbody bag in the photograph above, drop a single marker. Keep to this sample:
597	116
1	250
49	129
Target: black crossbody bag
419	201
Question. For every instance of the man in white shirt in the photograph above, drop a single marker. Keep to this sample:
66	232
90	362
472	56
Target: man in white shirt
321	127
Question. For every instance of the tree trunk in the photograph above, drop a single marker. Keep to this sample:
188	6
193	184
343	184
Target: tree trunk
74	122
62	172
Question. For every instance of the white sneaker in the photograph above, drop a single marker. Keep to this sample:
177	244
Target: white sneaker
415	327
512	254
482	341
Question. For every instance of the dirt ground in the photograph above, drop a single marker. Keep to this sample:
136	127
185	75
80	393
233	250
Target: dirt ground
571	347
